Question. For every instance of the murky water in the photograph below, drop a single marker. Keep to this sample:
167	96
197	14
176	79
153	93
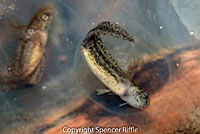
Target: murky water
156	26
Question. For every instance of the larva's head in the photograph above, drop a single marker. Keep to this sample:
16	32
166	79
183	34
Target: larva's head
136	97
42	18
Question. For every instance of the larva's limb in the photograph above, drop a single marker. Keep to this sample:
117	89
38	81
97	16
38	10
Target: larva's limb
102	91
17	26
123	104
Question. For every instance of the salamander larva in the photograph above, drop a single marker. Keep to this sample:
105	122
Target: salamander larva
106	69
27	63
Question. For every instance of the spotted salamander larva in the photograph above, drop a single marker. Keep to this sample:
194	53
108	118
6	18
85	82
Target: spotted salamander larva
106	69
27	63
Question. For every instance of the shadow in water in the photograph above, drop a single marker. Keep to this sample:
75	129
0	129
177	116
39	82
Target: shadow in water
151	77
154	75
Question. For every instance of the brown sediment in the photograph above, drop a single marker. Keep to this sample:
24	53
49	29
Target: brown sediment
174	105
177	97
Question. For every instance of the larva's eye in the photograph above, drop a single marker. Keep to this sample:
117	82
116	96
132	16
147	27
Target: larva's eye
45	17
144	95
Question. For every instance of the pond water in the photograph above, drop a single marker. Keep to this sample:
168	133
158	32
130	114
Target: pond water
156	25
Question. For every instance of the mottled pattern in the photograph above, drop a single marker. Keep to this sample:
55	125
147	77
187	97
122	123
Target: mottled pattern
106	69
111	29
102	57
97	48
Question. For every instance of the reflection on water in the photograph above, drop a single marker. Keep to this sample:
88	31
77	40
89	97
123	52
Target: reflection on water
68	79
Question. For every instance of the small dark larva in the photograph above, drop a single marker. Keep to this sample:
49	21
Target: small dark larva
27	63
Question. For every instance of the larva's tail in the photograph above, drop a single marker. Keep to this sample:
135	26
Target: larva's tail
111	29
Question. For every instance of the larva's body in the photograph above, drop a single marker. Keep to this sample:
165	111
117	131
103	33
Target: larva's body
106	69
27	63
